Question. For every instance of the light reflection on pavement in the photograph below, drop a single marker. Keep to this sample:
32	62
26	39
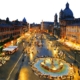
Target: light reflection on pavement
24	74
27	74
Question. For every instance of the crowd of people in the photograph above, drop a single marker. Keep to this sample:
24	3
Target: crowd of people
3	59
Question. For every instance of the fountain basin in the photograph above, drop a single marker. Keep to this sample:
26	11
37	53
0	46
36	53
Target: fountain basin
46	69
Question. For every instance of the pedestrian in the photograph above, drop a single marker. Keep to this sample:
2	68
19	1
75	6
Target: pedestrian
79	70
23	60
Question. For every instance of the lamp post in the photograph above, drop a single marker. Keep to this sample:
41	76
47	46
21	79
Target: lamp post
12	43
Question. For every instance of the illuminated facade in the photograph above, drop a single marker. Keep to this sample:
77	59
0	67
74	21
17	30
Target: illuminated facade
48	26
69	26
9	30
73	33
35	27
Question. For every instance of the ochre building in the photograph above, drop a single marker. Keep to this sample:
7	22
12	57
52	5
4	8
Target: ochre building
9	30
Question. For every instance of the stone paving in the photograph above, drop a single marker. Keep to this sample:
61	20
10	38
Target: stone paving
26	72
8	66
29	75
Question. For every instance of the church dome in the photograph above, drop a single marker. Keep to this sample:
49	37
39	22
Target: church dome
24	20
67	12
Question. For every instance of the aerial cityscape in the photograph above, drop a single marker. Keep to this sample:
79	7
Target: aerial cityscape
49	50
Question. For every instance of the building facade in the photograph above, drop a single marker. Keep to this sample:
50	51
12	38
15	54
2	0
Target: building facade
10	30
35	27
56	30
69	26
73	33
47	26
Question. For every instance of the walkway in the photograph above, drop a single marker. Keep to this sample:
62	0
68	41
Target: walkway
26	72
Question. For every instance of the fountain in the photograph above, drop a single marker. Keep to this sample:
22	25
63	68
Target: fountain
51	67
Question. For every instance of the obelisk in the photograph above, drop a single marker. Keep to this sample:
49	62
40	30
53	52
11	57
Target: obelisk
29	27
42	25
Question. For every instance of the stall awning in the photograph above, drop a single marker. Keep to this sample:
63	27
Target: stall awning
10	48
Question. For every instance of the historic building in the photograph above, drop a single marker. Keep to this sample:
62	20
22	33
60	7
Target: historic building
47	26
56	30
69	26
35	27
11	30
73	32
44	26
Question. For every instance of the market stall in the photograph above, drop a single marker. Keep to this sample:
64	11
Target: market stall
10	49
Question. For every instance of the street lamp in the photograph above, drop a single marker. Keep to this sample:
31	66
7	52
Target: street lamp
12	43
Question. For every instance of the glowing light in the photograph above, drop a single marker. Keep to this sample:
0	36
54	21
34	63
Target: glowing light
42	63
12	43
54	68
70	44
27	34
24	74
71	68
48	60
61	63
31	56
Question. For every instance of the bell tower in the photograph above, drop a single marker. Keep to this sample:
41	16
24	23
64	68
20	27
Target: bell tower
55	20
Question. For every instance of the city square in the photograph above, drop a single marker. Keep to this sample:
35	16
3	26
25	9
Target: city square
44	51
37	51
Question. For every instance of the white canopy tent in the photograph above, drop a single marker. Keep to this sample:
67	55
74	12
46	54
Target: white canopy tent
10	48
